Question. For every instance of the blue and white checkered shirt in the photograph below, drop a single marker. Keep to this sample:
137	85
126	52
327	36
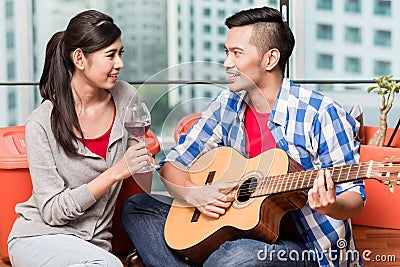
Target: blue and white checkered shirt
314	131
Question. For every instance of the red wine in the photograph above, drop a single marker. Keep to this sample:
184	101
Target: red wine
146	125
136	128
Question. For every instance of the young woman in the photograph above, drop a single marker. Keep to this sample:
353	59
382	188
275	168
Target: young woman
76	149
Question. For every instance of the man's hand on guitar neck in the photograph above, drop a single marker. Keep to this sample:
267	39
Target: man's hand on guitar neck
322	198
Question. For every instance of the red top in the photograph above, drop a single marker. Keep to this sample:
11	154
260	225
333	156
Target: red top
258	136
99	144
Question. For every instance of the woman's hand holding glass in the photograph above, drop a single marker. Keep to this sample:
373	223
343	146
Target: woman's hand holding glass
136	157
137	121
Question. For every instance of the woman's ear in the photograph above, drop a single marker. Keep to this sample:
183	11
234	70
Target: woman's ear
77	58
271	59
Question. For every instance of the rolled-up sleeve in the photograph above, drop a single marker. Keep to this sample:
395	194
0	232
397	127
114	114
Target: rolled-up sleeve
336	130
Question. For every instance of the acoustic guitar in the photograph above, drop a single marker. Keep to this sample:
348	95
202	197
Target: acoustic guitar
269	186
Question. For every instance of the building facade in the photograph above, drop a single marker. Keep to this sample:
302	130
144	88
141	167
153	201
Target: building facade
347	40
17	38
196	39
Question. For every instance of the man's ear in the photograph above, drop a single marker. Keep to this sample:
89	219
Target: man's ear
271	59
78	58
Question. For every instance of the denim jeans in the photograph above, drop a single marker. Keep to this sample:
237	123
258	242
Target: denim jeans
143	217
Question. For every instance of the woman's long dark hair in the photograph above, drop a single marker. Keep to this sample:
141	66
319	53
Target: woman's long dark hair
90	31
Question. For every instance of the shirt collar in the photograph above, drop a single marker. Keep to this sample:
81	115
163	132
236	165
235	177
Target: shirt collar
279	111
242	103
118	128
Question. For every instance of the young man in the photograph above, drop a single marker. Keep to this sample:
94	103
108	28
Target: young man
261	110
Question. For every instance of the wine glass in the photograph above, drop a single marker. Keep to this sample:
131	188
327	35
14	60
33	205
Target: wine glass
137	122
141	114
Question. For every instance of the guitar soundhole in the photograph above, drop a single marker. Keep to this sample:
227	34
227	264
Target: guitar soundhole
246	189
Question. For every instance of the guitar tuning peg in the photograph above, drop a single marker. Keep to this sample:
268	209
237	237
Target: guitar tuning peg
391	188
391	159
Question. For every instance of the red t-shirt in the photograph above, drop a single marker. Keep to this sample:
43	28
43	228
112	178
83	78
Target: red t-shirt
99	144
258	136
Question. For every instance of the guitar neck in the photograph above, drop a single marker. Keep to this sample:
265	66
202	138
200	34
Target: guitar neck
305	179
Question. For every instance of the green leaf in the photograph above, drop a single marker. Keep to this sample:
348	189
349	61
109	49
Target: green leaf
371	88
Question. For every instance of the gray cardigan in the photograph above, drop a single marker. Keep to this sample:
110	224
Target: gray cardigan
61	202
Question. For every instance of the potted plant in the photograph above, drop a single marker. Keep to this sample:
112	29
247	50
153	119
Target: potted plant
387	90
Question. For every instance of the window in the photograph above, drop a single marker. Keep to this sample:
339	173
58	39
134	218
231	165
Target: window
382	38
353	6
352	35
10	39
11	70
221	47
191	43
34	34
324	32
12	100
9	9
35	64
206	28
381	67
325	61
206	12
221	14
325	4
353	65
207	45
382	7
221	30
191	10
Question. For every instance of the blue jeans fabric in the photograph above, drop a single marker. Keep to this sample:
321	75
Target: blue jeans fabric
143	217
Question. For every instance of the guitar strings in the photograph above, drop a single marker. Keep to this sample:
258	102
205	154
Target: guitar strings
294	178
285	180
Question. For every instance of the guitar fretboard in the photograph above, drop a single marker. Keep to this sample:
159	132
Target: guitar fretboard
305	179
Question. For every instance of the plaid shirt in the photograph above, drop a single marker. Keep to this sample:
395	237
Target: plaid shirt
314	131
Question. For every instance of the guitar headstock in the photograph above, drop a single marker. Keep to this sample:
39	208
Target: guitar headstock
387	172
